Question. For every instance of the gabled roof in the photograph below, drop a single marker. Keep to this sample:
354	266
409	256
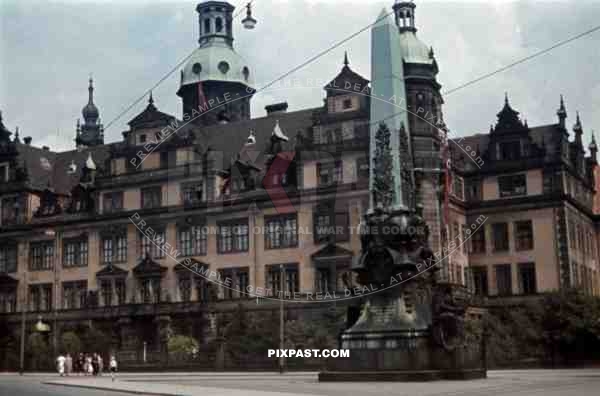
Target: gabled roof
508	119
150	116
346	79
180	267
331	252
110	271
148	267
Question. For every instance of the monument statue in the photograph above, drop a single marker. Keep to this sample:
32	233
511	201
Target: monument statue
410	326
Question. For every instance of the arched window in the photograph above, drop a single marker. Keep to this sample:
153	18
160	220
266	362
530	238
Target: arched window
206	26
218	25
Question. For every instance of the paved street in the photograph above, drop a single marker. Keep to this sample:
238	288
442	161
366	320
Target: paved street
499	383
14	385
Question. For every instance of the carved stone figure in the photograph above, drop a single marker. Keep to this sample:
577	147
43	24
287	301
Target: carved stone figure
448	319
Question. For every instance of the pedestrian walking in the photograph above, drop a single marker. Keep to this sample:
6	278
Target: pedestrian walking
60	365
113	367
89	368
68	364
95	364
100	365
80	364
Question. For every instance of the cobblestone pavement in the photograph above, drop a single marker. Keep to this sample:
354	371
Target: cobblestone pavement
499	383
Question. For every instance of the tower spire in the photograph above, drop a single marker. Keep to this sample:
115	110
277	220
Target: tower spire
578	131
89	133
561	113
346	63
91	90
593	148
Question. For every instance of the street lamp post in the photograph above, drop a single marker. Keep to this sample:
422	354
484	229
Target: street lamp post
281	321
23	321
56	295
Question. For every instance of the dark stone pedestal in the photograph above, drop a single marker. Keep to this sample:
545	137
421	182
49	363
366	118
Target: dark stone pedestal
415	357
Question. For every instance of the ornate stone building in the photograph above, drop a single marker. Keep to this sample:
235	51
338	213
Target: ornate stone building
274	201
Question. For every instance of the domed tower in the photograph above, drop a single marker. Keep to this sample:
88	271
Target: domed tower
425	118
216	82
91	133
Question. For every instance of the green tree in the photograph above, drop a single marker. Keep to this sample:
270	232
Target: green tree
38	352
383	182
70	342
182	347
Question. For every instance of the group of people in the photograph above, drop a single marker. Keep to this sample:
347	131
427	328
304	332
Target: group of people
85	364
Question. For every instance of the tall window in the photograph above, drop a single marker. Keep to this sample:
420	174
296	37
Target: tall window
8	257
510	150
500	234
330	172
478	240
331	223
120	291
106	292
233	237
112	201
192	241
10	210
150	290
8	300
41	256
40	297
362	168
185	287
154	245
480	280
323	280
456	234
512	185
458	187
191	193
282	232
234	282
524	235
114	247
291	281
503	279
203	289
527	281
473	190
151	197
75	252
74	294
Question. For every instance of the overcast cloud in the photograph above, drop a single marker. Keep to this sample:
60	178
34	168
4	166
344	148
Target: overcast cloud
48	50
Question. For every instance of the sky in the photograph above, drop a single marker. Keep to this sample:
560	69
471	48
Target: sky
49	48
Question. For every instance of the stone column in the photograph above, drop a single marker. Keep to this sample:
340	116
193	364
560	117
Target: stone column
163	323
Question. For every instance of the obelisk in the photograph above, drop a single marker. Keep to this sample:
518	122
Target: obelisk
388	99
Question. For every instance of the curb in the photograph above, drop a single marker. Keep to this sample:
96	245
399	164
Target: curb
103	388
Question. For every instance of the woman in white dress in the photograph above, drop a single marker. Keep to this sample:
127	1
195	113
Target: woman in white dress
60	365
